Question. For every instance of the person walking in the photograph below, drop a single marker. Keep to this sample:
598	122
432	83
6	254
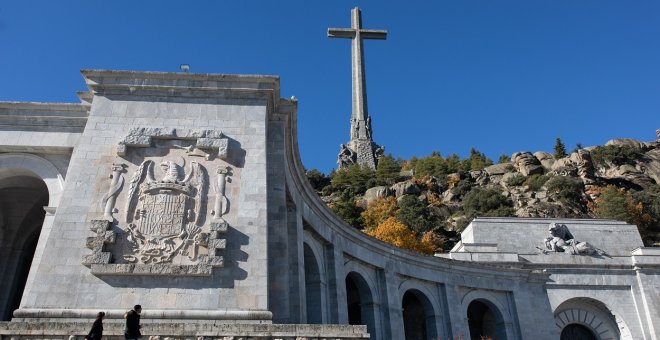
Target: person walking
132	331
97	328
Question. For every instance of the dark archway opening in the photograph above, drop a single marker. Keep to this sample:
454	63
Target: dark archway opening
360	303
22	198
313	287
485	321
576	331
353	303
414	317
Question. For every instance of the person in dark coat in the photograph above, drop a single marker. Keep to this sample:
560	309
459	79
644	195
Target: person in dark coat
97	328
132	330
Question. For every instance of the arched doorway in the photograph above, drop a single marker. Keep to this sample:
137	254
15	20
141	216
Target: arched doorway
22	198
418	316
576	331
360	303
313	287
485	321
581	317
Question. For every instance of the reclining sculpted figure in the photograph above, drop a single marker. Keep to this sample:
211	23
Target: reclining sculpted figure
562	241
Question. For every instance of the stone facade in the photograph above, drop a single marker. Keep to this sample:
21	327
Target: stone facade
611	290
185	193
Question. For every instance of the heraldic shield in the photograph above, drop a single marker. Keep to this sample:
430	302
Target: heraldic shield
163	212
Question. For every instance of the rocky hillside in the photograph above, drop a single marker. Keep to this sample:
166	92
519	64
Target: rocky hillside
619	180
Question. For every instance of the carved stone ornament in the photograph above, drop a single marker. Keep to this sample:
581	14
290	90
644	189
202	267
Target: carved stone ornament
163	228
562	241
207	143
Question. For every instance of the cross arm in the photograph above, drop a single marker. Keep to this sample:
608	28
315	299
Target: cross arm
341	33
373	34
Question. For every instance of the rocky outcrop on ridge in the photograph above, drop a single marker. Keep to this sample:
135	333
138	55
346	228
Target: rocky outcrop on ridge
540	185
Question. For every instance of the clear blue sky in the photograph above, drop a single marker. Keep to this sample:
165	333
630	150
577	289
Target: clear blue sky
501	76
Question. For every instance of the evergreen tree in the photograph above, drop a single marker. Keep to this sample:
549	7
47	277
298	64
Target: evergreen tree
453	163
560	149
387	171
433	165
346	209
414	214
354	178
619	204
503	159
317	179
477	160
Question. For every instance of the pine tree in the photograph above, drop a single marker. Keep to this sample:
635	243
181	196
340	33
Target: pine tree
388	170
414	214
503	159
560	149
346	209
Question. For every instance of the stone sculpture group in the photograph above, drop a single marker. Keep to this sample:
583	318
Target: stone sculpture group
562	241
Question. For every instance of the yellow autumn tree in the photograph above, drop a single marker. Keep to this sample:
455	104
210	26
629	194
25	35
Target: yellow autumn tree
431	243
396	233
378	211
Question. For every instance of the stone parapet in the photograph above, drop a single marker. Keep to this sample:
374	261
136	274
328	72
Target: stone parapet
182	330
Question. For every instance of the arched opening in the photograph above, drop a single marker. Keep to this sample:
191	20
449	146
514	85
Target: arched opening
22	198
581	317
359	302
576	331
418	316
313	286
485	321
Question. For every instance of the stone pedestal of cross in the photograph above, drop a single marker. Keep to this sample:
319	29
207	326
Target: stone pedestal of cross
360	149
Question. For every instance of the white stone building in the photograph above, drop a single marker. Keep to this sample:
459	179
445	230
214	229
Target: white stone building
185	193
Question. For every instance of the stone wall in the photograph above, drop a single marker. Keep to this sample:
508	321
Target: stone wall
176	114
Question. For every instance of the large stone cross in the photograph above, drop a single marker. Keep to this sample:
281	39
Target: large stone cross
360	120
357	33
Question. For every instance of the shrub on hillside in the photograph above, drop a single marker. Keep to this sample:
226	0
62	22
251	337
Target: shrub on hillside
462	188
566	189
536	181
487	202
515	180
615	154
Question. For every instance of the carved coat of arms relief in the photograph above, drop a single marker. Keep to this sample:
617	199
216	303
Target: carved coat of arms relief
163	215
166	225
